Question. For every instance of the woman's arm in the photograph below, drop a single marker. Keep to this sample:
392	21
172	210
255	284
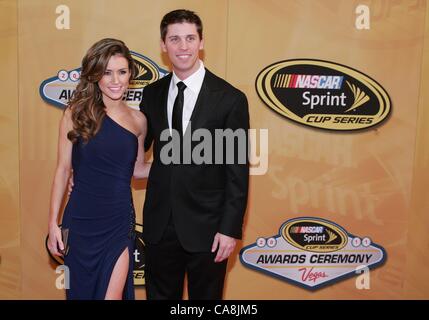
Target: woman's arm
141	168
59	184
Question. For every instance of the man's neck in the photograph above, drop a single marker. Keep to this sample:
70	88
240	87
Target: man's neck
186	74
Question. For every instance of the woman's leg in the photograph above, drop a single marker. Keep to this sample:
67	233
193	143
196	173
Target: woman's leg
118	277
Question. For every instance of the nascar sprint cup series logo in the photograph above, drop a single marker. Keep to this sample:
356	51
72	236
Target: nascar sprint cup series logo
59	89
312	253
323	94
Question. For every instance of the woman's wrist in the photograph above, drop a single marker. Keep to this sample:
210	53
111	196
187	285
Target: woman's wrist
52	224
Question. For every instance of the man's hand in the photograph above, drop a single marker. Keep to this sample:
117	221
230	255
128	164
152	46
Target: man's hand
226	246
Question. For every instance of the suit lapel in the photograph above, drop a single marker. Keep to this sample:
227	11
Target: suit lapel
206	102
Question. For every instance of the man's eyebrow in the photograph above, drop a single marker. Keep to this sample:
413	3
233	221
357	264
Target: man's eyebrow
186	35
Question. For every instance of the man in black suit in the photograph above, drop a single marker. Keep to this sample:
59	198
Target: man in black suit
193	211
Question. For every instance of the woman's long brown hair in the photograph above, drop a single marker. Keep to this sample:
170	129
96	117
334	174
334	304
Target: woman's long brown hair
87	107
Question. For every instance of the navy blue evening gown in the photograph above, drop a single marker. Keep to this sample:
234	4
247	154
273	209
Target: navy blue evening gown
100	213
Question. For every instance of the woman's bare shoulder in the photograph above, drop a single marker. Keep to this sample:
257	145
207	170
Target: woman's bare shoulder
138	116
139	121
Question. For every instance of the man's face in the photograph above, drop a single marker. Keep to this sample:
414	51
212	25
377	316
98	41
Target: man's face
182	45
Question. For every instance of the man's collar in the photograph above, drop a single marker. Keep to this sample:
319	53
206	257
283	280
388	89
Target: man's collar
194	81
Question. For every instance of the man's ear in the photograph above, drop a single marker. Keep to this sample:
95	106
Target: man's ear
202	44
163	46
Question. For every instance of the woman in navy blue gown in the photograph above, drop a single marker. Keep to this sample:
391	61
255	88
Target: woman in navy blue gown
101	139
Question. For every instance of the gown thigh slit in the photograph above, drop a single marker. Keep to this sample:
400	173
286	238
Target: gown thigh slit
125	292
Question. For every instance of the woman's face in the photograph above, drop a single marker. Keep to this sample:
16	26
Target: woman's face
116	79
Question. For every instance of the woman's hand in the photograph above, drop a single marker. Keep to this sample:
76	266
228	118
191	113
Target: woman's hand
55	242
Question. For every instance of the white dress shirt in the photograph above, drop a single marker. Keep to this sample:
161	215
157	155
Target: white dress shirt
193	86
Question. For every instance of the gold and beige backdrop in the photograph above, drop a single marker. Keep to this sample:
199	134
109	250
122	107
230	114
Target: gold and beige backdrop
372	182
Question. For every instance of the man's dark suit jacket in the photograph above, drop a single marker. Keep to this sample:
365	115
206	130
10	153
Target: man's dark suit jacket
202	198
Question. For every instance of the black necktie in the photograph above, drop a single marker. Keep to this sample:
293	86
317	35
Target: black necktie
176	122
